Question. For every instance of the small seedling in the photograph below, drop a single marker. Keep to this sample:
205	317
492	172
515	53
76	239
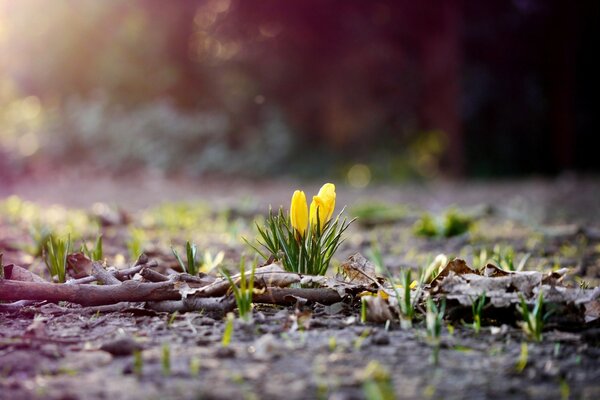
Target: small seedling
405	303
363	310
165	360
243	293
136	242
194	366
377	382
56	257
138	362
1	267
209	262
96	254
40	234
434	319
172	319
523	357
504	258
477	309
452	223
191	266
332	344
228	332
533	321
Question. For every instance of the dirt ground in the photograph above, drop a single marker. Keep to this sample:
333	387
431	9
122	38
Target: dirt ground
311	351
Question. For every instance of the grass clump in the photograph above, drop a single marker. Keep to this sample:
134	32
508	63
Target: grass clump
191	266
303	242
135	244
96	253
56	257
533	321
452	223
243	293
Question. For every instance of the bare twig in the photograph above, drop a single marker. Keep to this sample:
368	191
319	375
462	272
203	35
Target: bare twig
103	275
89	295
211	304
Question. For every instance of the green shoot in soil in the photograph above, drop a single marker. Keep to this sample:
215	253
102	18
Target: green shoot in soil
138	362
56	257
194	366
96	254
452	223
434	319
40	234
477	309
406	305
228	332
243	293
363	310
377	383
1	267
191	266
533	321
523	357
165	360
135	243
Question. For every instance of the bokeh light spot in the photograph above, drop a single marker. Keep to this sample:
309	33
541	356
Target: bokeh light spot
28	144
359	176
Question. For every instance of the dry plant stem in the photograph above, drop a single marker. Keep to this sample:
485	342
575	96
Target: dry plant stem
103	275
89	295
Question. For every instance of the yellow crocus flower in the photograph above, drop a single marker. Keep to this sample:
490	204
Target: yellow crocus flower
324	202
299	212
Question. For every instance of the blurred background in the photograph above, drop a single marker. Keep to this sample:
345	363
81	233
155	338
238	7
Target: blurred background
364	91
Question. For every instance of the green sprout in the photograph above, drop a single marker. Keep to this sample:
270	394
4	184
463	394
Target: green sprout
135	243
434	318
40	235
95	254
523	358
363	310
56	257
138	362
405	303
1	266
243	293
452	223
533	321
228	332
209	262
309	254
194	366
165	360
504	257
191	266
477	309
377	382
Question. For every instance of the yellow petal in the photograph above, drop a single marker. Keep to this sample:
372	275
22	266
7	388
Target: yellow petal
318	204
299	212
327	195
